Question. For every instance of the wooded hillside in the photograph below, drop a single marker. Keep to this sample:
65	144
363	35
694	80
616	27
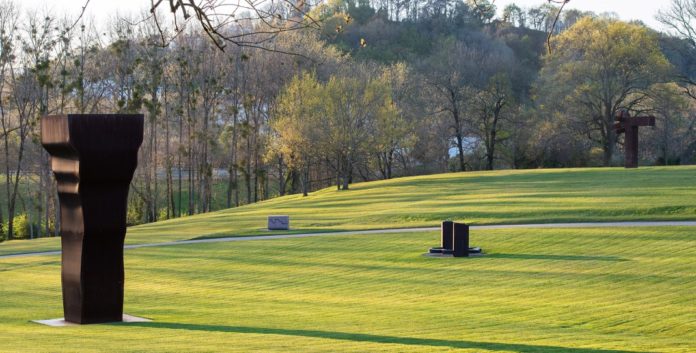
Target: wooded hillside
380	89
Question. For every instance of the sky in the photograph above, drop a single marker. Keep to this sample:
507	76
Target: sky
644	10
101	10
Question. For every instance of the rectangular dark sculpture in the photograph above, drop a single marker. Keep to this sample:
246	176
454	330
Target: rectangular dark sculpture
454	241
460	243
93	158
629	125
446	234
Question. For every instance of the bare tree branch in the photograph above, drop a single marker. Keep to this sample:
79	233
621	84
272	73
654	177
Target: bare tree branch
246	23
77	20
563	3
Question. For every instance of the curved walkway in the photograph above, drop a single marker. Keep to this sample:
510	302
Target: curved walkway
387	231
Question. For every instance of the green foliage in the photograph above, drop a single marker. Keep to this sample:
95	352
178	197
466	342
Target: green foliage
595	69
136	211
345	119
162	214
21	228
483	9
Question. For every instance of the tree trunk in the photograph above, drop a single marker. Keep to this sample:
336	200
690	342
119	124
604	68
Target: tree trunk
608	146
232	168
305	181
247	172
460	149
490	153
191	181
179	164
347	174
390	163
168	158
609	136
281	177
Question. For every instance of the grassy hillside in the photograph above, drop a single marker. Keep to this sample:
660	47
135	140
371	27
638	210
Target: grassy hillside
543	291
498	197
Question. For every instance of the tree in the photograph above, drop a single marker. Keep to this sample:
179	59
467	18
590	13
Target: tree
672	139
246	23
350	109
680	18
8	18
483	9
490	108
394	127
297	115
455	73
514	15
597	68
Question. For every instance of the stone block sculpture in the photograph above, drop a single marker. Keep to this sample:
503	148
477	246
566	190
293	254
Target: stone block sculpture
93	158
278	222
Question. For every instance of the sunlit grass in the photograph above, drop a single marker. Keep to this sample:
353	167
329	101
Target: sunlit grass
498	197
537	290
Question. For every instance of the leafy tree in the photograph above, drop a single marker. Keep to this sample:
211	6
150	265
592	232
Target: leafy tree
351	106
598	67
394	126
483	9
297	115
514	15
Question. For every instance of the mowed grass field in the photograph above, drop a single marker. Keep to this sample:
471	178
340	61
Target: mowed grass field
596	290
497	197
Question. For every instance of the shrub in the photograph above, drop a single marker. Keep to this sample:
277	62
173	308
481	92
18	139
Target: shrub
136	212
21	228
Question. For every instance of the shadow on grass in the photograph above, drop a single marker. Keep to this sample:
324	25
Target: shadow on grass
556	257
361	337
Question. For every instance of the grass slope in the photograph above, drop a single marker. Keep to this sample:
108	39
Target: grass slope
538	290
498	197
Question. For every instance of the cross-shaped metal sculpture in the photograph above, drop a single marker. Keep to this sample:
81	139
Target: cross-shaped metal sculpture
629	125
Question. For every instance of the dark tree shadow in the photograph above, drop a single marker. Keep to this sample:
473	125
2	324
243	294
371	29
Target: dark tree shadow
361	337
556	257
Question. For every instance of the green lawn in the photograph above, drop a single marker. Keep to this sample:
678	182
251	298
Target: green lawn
498	197
537	290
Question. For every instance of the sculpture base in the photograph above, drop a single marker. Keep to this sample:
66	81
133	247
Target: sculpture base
475	250
62	323
442	252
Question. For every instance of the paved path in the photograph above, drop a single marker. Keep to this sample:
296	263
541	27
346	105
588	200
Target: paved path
387	231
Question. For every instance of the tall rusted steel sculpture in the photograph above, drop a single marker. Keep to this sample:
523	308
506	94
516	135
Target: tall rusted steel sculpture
629	125
93	158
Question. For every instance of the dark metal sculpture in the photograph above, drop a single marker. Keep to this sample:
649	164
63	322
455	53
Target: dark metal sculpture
93	158
460	240
629	125
454	241
446	234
